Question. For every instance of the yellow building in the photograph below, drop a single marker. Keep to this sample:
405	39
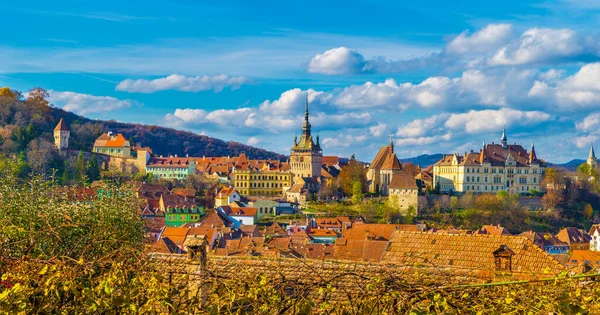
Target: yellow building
250	182
494	168
306	157
113	145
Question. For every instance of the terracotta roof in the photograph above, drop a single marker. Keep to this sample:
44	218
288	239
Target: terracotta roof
106	140
403	180
274	229
299	237
360	250
579	257
378	232
153	188
184	192
242	212
225	192
380	157
391	162
330	160
174	162
175	234
175	201
282	242
215	218
495	154
322	233
493	230
314	251
250	230
62	126
595	228
572	235
469	251
166	246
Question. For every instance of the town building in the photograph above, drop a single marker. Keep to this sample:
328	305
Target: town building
268	180
170	167
113	145
495	167
243	215
226	196
404	192
382	168
303	190
595	235
576	238
61	135
306	156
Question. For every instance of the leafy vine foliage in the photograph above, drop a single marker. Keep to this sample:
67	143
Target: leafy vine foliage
64	253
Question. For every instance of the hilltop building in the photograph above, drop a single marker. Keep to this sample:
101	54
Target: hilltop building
495	167
171	167
592	161
384	166
306	156
113	145
61	135
404	192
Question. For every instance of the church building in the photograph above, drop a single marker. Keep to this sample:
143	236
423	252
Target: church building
384	166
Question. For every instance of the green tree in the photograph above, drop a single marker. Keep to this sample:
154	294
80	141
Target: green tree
351	173
357	192
80	168
93	168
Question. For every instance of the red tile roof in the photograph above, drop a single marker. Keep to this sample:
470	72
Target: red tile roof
403	180
106	140
62	126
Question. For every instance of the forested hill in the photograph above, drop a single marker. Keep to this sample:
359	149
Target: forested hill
18	114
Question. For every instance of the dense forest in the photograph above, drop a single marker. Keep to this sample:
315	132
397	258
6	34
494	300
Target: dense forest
32	118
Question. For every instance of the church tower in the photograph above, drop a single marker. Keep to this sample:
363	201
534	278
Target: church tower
61	135
504	140
591	160
306	156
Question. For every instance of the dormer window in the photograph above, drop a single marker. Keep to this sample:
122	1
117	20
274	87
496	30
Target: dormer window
503	258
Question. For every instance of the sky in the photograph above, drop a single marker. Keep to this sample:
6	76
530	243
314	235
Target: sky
435	76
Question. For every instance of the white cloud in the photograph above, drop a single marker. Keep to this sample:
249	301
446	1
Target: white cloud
589	123
586	140
577	92
421	141
85	103
341	60
493	36
182	83
379	130
493	120
421	127
252	141
538	45
342	140
294	100
229	118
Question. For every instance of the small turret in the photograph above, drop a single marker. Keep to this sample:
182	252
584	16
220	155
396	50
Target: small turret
503	139
591	160
61	135
532	155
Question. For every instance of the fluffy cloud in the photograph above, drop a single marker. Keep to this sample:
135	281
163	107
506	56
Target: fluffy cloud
220	117
576	92
420	141
342	140
182	83
379	130
86	103
294	100
493	36
341	60
589	123
493	120
537	45
421	127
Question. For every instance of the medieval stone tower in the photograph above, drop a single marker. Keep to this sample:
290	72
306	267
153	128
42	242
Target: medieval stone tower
61	135
306	156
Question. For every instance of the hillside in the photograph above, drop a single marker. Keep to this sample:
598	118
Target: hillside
22	120
569	166
424	160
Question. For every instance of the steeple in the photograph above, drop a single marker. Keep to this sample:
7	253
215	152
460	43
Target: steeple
392	143
306	125
592	153
503	140
532	155
591	160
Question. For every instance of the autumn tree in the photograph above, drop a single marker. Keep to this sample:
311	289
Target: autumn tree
555	184
41	156
588	211
352	173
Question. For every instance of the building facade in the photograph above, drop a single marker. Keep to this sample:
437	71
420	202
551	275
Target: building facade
61	135
592	161
495	167
267	179
171	167
113	145
306	156
384	166
404	192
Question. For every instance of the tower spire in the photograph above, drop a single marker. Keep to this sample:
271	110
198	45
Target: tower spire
306	125
503	139
392	142
592	153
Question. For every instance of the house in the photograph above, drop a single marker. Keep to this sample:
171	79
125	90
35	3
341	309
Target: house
176	235
547	242
166	246
332	223
274	229
493	230
218	219
226	196
188	194
303	190
478	255
576	238
313	251
170	167
382	168
595	235
584	261
113	145
151	191
322	236
244	215
403	192
265	207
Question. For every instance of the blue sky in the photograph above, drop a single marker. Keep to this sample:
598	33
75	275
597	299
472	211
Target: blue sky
437	76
